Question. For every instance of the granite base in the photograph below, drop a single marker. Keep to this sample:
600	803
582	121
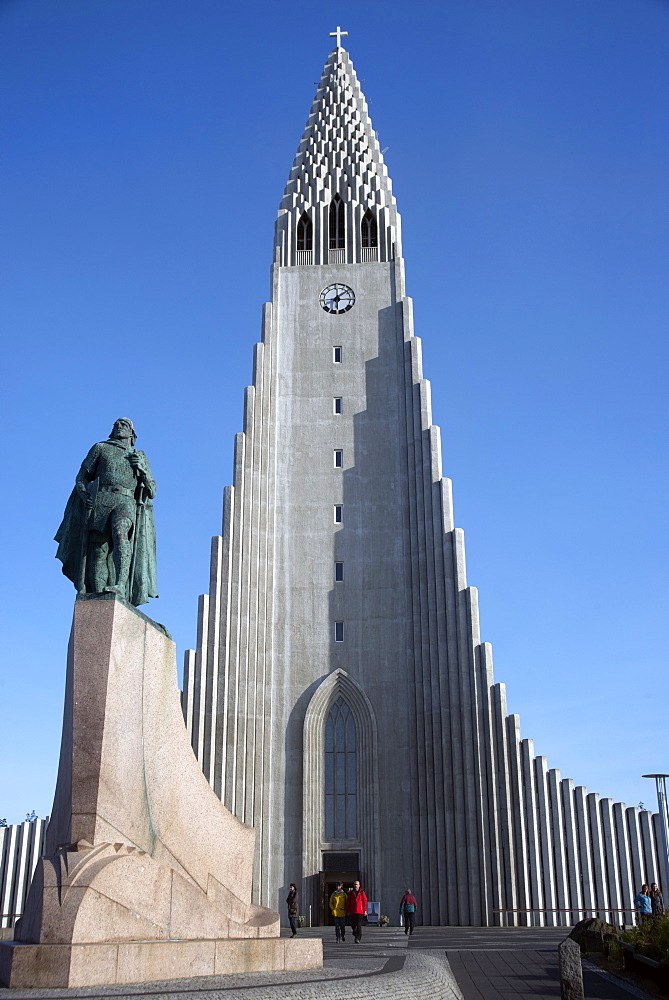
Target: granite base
43	966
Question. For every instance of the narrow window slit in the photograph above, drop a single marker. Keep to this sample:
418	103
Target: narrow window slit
337	224
305	233
369	230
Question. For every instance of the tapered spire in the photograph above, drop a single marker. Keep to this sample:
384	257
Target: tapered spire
339	156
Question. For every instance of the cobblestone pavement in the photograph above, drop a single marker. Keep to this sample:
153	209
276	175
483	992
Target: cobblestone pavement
437	963
377	969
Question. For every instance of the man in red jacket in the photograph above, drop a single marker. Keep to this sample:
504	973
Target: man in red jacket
356	908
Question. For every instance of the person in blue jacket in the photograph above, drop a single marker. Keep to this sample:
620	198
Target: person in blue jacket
643	905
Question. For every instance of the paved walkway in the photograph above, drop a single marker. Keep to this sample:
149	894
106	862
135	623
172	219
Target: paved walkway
497	963
437	963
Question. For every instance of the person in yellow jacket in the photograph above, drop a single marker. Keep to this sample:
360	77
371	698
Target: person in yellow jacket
338	907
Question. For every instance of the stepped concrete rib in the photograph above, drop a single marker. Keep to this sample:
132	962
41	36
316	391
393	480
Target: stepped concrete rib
339	465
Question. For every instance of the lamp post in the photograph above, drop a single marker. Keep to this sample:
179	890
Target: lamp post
663	809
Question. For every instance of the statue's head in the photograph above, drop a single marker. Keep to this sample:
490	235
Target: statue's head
124	428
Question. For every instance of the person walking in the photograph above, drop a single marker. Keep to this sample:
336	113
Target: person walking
338	908
356	908
656	901
408	906
293	908
642	905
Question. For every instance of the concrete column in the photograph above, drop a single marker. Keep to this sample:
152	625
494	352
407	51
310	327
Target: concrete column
220	717
23	872
227	655
536	892
415	414
571	850
546	835
650	872
518	818
598	863
584	851
187	700
627	891
211	682
494	861
559	852
448	909
4	834
431	519
475	843
246	623
37	846
235	741
265	377
200	681
21	846
635	849
10	848
464	738
440	496
612	865
418	777
659	854
504	806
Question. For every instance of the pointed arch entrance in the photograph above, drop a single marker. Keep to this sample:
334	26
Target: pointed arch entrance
340	791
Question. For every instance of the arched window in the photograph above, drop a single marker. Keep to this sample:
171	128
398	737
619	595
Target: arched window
305	233
337	224
340	773
369	230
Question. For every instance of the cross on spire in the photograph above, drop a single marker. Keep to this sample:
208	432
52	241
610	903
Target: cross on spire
338	35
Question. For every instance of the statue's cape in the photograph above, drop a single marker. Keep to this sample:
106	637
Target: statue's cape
70	534
143	578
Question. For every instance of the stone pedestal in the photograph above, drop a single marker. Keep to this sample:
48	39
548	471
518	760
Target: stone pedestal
146	876
571	970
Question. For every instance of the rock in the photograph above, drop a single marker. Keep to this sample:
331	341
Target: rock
571	973
591	933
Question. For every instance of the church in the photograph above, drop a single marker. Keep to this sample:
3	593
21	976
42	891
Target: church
340	699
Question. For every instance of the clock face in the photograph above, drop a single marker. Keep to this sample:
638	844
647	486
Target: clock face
337	298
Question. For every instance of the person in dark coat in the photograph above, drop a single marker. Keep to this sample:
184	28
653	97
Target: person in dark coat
408	907
656	901
293	908
356	909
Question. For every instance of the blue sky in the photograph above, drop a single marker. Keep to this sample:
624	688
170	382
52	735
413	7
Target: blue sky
147	144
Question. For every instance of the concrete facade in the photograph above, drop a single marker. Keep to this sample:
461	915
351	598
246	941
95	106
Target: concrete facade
448	798
21	846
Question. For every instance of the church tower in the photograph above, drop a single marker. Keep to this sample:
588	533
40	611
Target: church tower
340	699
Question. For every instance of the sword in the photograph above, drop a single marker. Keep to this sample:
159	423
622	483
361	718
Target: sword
139	514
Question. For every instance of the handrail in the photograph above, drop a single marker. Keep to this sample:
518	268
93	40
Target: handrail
565	909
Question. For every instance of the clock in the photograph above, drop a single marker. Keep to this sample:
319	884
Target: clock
337	298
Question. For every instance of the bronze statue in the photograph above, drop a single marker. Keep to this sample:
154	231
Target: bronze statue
107	540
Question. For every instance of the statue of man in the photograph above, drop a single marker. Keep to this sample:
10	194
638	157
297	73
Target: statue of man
107	539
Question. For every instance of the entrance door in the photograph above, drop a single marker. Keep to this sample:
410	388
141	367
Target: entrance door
328	881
